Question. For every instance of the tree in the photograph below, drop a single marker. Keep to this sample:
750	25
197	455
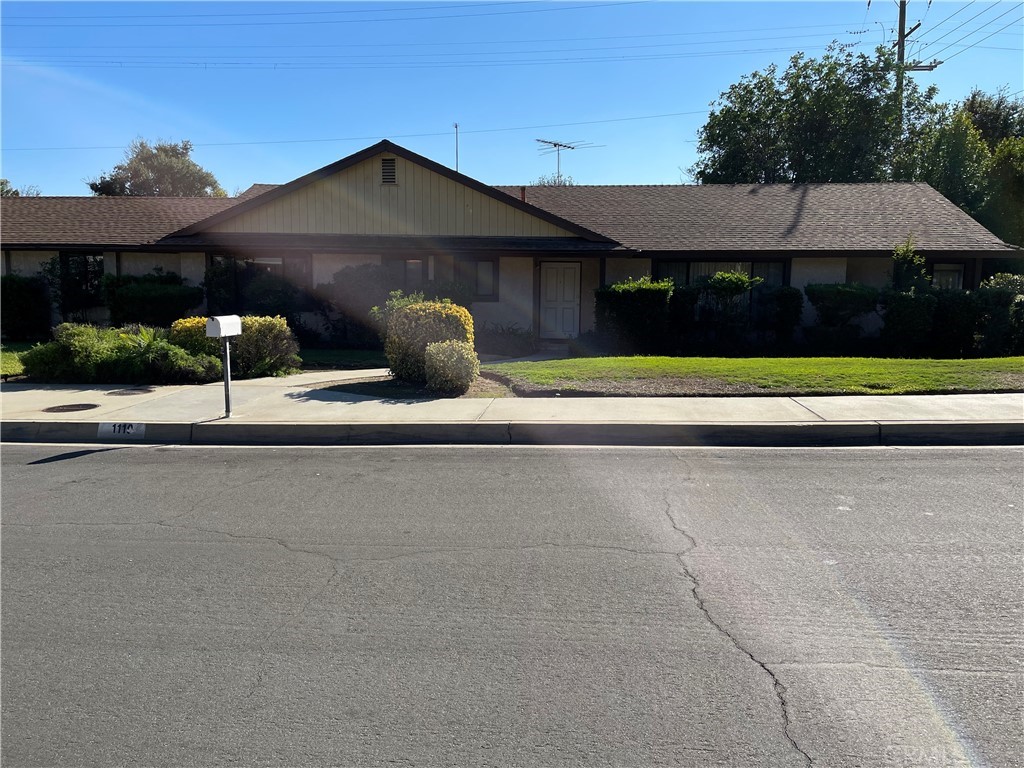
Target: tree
160	170
833	119
555	180
6	190
996	116
955	161
1003	209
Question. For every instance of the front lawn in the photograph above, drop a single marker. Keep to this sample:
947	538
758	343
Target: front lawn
674	376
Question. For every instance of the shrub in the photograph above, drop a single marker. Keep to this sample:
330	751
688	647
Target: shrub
726	291
1005	281
508	340
837	305
451	366
153	299
413	327
958	312
75	283
85	354
784	306
908	323
267	347
381	316
633	314
48	362
682	316
908	268
1000	326
24	308
189	333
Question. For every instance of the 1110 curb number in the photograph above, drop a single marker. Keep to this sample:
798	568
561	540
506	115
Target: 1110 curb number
124	430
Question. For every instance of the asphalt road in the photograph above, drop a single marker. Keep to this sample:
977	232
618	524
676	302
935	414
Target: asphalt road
168	606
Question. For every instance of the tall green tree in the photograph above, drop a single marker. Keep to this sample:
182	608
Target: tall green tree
159	170
833	119
956	160
996	115
1003	209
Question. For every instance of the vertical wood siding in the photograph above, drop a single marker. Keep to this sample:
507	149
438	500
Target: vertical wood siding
354	202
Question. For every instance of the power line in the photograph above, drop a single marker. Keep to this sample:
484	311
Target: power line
979	29
446	44
289	67
79	57
249	14
395	136
980	41
192	25
929	44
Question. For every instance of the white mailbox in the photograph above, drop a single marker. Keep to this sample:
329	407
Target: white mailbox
224	325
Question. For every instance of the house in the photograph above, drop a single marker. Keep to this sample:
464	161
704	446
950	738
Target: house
532	255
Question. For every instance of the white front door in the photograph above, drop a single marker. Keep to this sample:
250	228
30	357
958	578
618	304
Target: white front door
559	300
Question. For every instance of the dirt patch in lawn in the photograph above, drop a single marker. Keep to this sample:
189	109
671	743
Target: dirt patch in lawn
387	388
667	386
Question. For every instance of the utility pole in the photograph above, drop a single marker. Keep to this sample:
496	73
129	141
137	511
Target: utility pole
901	51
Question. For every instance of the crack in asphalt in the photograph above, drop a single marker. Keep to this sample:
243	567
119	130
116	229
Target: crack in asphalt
777	685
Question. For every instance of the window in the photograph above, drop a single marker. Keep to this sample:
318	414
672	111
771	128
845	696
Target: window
481	275
689	272
948	276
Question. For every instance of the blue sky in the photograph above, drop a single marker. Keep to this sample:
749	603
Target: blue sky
269	91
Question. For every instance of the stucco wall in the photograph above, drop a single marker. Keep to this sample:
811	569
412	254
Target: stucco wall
27	263
807	271
617	270
515	293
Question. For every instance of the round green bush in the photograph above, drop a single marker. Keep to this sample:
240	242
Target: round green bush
412	328
451	366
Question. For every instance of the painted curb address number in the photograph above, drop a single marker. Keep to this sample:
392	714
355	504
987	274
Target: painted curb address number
122	430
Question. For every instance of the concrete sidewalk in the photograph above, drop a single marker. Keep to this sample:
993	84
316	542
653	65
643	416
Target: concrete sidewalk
302	410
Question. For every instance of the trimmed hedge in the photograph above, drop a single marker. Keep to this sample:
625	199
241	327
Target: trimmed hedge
24	308
634	314
84	354
838	304
413	327
451	366
267	346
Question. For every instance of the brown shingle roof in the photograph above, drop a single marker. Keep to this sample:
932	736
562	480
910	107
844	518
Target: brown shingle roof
100	221
840	217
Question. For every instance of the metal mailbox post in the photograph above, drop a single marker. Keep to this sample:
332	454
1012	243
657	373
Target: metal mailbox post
224	327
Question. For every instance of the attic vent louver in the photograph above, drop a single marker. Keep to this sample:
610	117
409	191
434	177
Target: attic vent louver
388	172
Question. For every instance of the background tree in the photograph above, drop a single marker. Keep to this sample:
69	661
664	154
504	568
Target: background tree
6	190
833	119
1003	209
996	116
160	170
956	160
555	180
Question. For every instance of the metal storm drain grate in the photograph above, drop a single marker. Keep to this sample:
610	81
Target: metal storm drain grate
125	392
70	407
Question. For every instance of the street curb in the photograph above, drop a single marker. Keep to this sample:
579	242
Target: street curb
765	434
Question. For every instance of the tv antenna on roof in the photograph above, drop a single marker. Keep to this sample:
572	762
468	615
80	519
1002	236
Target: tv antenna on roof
556	147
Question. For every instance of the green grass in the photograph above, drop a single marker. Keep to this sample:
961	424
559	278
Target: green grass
10	362
343	359
808	375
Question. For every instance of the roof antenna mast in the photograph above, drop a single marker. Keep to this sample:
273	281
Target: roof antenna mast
549	146
456	126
